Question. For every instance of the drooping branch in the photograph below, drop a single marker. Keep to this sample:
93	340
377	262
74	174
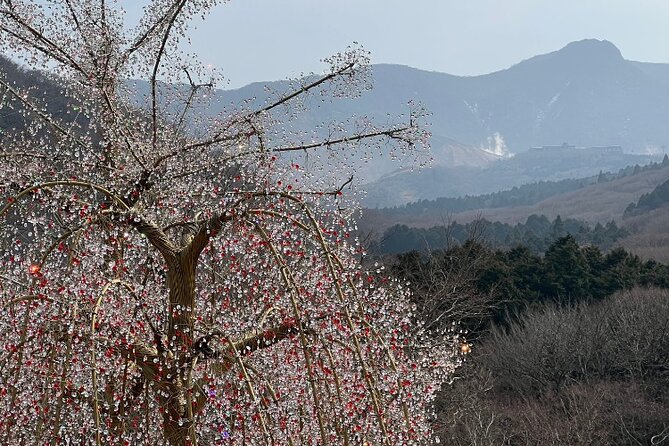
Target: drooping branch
289	281
331	262
55	157
73	183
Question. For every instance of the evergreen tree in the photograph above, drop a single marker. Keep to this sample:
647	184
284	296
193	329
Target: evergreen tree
567	275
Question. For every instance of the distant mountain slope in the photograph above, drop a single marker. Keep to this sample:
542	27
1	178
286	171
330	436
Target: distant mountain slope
553	164
599	202
650	235
47	92
596	203
586	94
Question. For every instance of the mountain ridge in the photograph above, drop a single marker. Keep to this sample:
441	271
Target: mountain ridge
585	93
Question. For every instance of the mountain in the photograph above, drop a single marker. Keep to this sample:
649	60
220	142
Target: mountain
40	86
585	93
553	163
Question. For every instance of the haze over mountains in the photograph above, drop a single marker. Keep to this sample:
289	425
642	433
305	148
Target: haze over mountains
585	94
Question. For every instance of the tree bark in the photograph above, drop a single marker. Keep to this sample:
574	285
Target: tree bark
178	423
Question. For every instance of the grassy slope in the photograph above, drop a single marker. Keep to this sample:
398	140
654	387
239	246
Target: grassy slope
595	203
650	235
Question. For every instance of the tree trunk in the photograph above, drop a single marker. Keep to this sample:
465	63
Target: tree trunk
178	427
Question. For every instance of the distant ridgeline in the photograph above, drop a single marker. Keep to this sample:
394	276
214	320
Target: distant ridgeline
525	195
537	234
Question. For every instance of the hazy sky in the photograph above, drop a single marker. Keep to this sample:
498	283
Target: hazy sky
256	40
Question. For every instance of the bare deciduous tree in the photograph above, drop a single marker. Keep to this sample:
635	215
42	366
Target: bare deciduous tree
167	277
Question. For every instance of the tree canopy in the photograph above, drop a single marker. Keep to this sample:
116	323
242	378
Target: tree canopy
172	277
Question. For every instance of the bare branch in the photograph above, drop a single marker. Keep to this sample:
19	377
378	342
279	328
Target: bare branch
219	137
154	74
49	48
145	37
395	133
305	89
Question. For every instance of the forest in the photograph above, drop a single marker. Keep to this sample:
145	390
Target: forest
537	234
650	201
567	347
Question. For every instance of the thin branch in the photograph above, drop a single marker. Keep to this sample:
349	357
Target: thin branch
390	133
77	24
289	281
159	56
305	89
217	140
56	157
140	40
53	50
193	90
45	117
284	99
72	183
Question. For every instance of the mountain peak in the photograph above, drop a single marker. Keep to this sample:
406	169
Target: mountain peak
590	50
588	55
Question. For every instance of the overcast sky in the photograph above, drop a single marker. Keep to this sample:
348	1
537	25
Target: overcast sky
258	40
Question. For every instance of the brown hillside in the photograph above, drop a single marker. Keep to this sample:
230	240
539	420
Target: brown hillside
650	235
596	203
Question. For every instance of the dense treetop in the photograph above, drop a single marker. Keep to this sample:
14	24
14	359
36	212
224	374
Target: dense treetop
169	277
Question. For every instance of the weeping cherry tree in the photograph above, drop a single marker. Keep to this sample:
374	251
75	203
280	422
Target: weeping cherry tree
173	276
